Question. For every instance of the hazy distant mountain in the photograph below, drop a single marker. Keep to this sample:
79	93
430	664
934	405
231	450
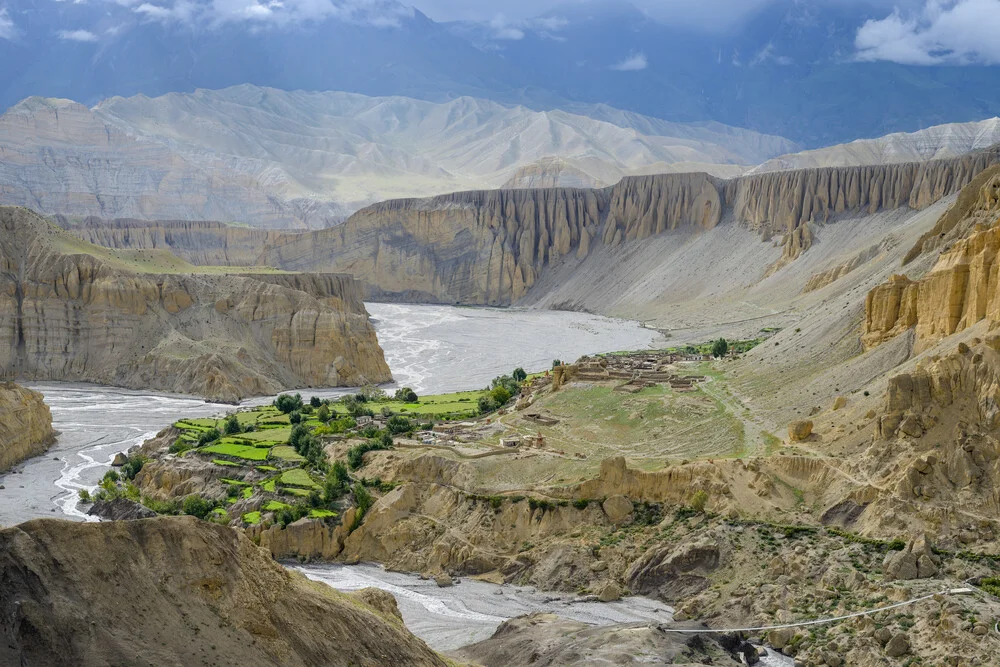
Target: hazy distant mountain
942	141
790	70
272	158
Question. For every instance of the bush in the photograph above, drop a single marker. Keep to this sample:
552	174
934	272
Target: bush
315	402
111	476
209	436
373	394
720	347
306	409
288	403
511	385
180	446
323	414
399	425
195	505
363	501
356	454
85	496
519	374
487	404
406	395
133	464
699	500
556	362
232	425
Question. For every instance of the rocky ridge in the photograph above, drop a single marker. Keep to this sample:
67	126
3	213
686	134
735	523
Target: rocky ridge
492	247
25	425
179	591
960	289
72	312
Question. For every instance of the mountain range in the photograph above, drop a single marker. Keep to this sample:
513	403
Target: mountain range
290	159
790	69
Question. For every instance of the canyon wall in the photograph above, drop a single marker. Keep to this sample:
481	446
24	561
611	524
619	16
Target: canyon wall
67	315
179	591
490	247
960	289
25	425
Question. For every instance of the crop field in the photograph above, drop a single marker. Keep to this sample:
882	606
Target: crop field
459	405
298	477
248	452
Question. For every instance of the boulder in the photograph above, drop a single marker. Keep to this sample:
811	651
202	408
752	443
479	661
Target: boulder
670	574
120	509
898	645
618	509
444	580
610	592
119	460
800	430
839	402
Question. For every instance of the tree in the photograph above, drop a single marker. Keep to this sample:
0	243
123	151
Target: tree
399	424
133	464
211	435
315	402
288	403
295	417
195	505
698	500
232	425
720	347
556	362
323	414
406	395
519	374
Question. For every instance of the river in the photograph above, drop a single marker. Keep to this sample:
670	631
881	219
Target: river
433	349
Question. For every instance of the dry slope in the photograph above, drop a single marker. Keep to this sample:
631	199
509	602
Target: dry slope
177	591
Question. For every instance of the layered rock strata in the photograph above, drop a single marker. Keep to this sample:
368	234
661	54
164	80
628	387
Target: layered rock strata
69	315
961	288
25	425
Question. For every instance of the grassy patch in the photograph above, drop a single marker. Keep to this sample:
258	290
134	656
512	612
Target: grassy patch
321	514
297	477
252	518
269	485
249	453
275	506
287	453
221	462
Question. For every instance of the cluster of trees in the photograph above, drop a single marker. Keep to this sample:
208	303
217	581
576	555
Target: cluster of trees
118	483
720	348
356	454
307	445
501	390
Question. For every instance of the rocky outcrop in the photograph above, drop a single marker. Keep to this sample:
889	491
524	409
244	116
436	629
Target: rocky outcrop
25	425
491	247
70	311
177	591
672	573
829	276
960	290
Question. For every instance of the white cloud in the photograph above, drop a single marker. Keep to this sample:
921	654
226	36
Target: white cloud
77	35
634	63
379	13
504	30
958	32
7	28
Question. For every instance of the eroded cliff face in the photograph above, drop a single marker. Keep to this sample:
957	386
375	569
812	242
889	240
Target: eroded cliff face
960	290
25	425
179	591
491	247
65	315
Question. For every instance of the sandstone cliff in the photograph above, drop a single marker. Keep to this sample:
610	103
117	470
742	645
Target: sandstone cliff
177	591
491	247
961	288
25	425
67	312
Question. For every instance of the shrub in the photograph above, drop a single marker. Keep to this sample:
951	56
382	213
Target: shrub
288	403
307	410
399	425
85	496
406	395
195	505
112	476
556	362
323	414
581	504
295	417
356	454
519	374
232	425
209	436
133	464
372	394
315	402
699	500
363	500
487	404
180	446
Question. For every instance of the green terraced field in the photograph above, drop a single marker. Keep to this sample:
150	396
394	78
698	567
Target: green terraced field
287	453
274	506
252	518
238	451
298	477
321	514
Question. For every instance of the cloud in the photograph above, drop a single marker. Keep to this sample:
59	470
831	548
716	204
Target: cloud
379	13
7	28
77	35
544	26
504	30
943	32
634	63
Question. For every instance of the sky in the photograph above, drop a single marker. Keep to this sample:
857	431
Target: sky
912	32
